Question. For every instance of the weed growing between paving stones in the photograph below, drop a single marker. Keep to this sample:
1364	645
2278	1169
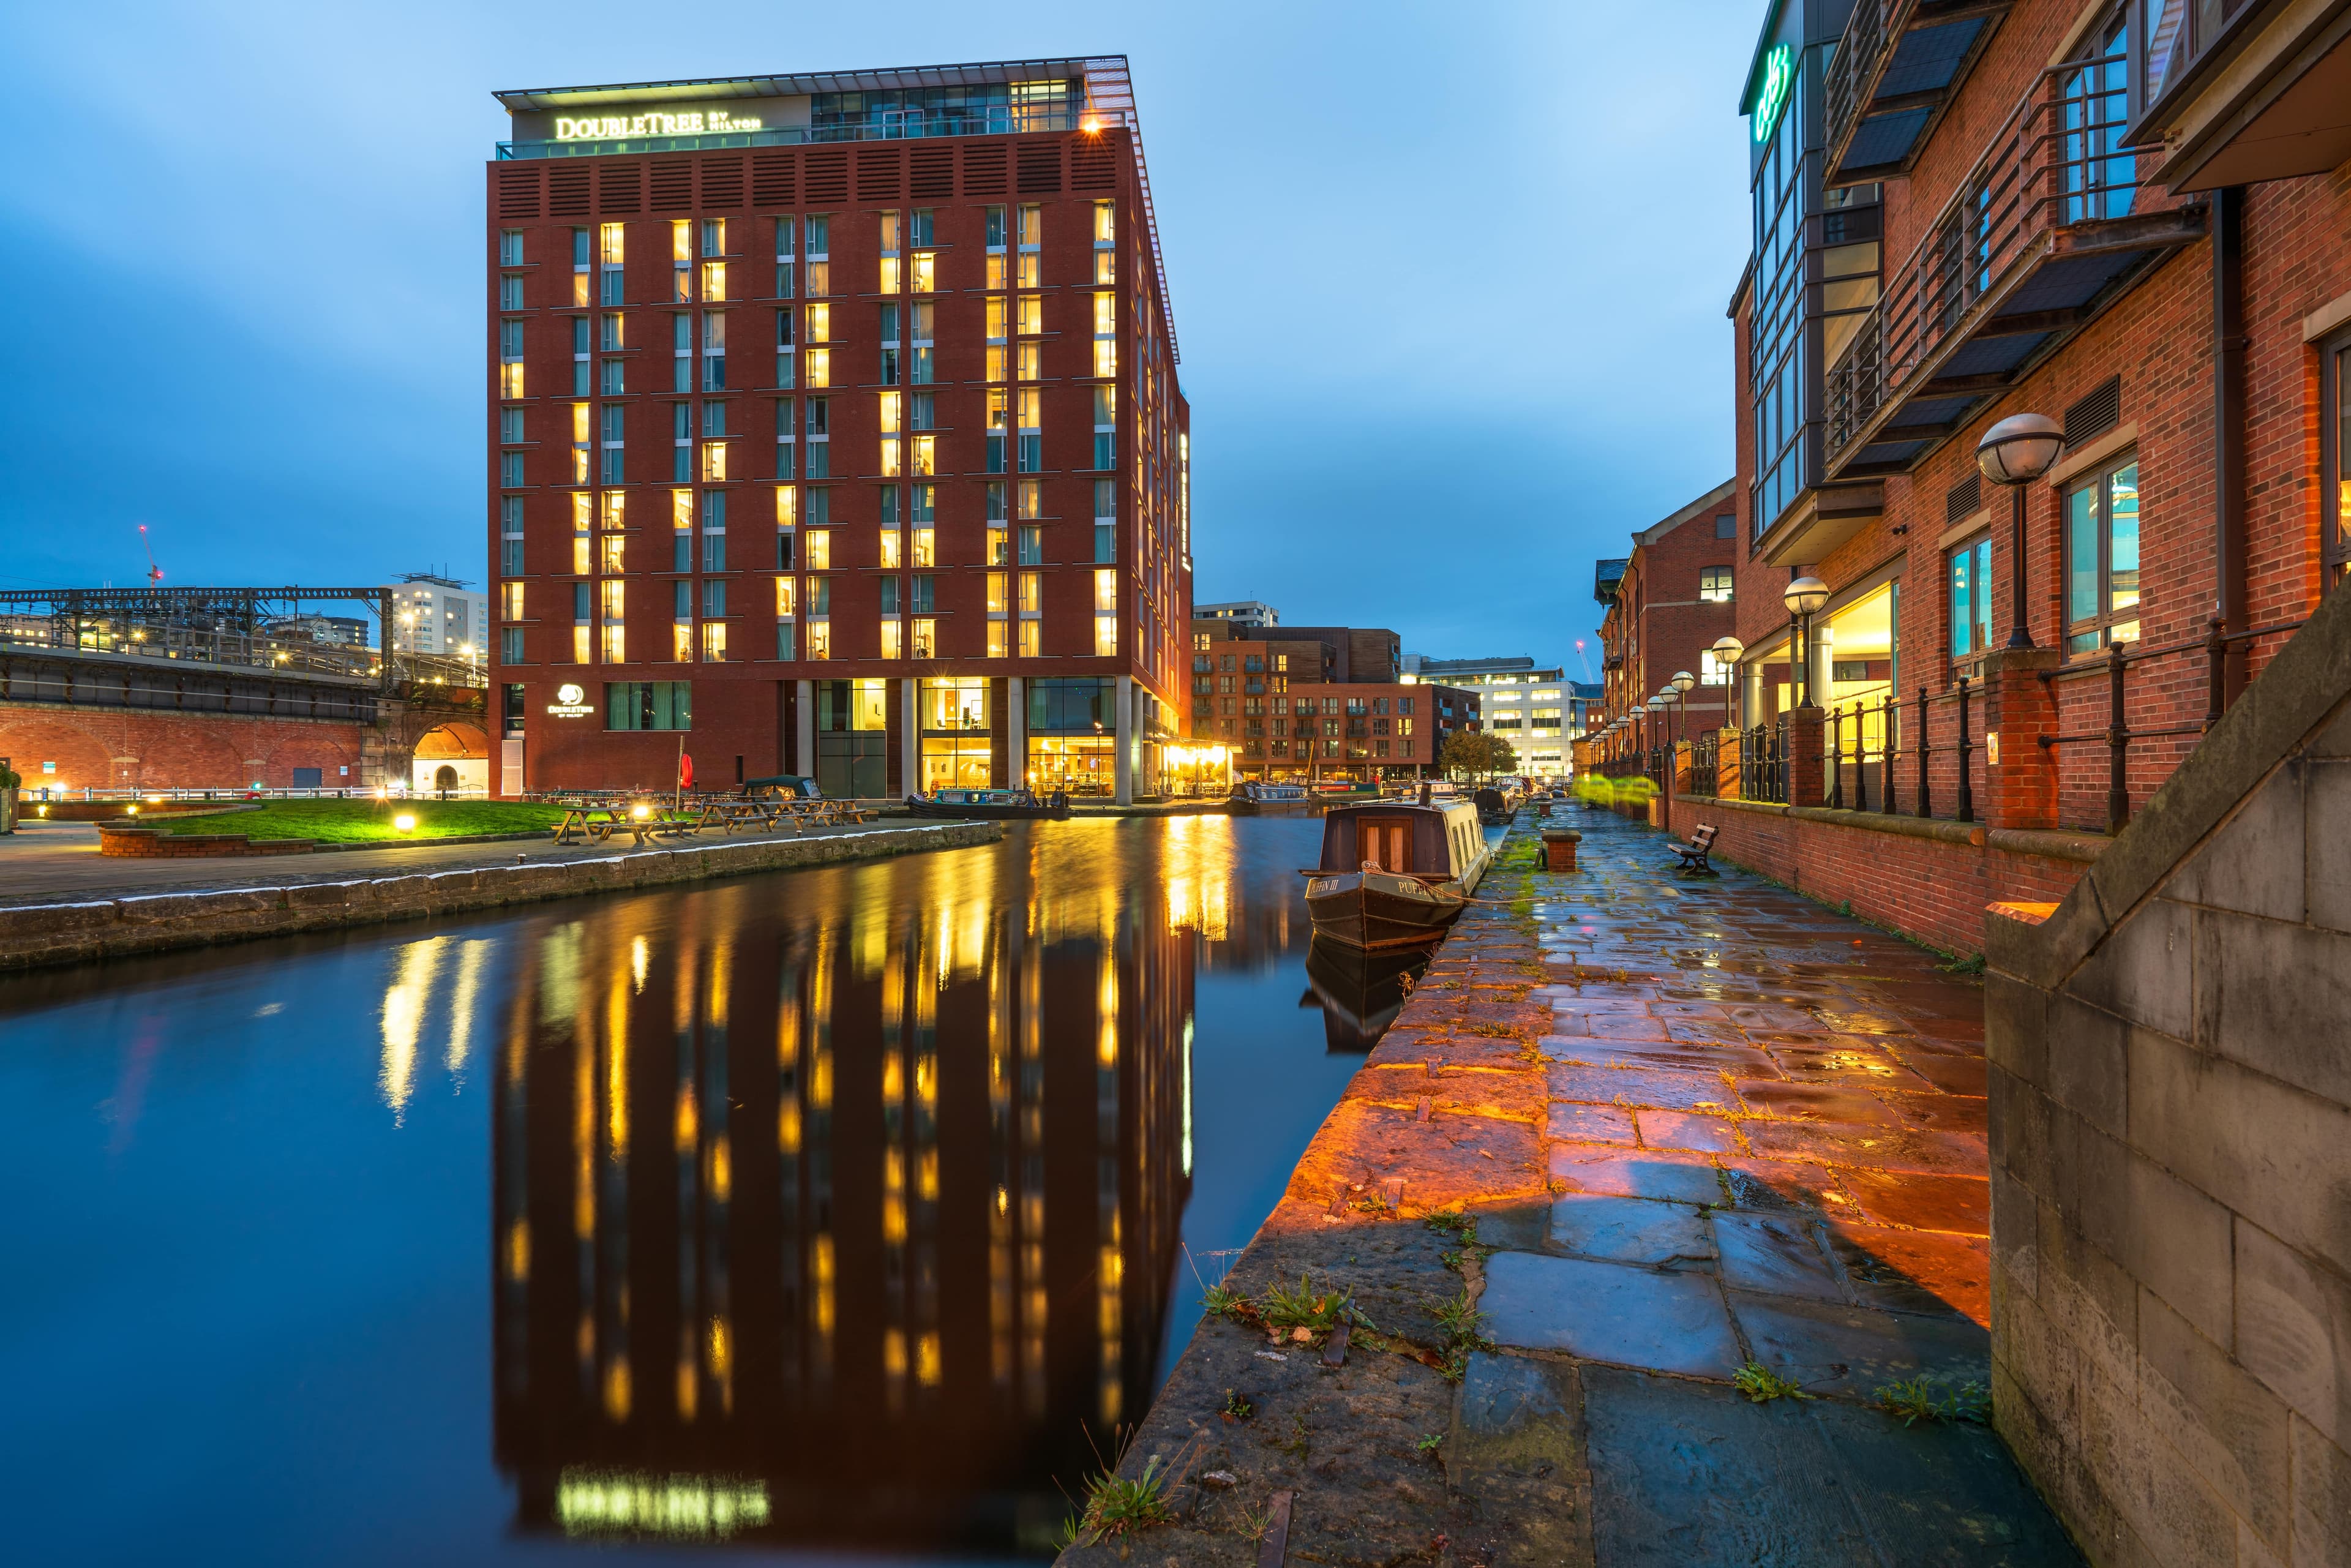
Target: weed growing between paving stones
1461	1227
1974	966
1116	1507
1315	1313
1761	1385
1430	1442
1256	1520
1917	1399
1457	1318
1297	1444
1237	1408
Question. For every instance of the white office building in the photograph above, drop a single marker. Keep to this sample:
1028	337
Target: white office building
438	615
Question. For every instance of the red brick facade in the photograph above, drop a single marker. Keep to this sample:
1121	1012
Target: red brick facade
117	750
1671	606
1318	702
1015	482
2158	338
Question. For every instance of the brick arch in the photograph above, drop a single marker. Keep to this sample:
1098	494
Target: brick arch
454	739
83	757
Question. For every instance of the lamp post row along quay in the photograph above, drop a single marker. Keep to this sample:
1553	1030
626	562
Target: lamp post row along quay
2013	454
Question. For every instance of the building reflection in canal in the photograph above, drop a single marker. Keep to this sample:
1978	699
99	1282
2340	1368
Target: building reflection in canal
855	1232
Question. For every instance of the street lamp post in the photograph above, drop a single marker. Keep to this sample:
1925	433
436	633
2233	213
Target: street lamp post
2013	454
1728	651
1803	598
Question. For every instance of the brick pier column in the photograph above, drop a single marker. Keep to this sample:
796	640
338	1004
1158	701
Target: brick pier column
2020	707
1807	768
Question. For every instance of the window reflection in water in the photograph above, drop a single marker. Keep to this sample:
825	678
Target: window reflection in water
840	1233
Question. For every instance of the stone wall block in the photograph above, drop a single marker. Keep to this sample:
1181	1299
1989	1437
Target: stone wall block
2141	971
2326	805
2321	1500
2158	1228
164	908
2015	1031
2230	1429
52	921
2019	1123
2275	998
2293	1329
2253	864
2091	1300
2157	1492
2015	1232
2087	1072
2272	1153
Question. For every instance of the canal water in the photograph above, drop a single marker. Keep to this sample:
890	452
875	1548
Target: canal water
826	1213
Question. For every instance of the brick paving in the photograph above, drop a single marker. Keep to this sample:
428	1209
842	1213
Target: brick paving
1700	1124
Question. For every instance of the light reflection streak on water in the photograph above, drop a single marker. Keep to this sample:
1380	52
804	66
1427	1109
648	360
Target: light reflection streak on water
996	1258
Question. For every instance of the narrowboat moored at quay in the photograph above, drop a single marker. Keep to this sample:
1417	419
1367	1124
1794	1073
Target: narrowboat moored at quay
1251	798
986	805
1394	875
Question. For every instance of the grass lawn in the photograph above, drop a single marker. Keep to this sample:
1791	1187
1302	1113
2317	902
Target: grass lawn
362	821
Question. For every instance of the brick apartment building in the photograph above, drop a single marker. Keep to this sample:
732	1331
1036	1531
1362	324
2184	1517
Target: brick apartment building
1667	604
836	424
1963	215
1307	703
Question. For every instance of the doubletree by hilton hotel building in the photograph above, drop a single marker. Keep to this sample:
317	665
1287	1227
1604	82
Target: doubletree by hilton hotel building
835	430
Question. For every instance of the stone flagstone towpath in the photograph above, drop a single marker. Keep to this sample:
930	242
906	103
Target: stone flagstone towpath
1700	1125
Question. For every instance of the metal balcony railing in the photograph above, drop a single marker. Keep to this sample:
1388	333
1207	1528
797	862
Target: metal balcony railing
1853	69
2051	177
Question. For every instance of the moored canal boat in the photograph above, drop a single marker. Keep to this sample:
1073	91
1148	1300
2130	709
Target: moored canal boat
986	805
1394	875
1253	798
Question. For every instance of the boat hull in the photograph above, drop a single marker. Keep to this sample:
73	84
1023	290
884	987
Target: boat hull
1379	911
983	813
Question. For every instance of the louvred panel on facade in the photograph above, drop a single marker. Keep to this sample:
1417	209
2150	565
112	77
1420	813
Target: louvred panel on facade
772	179
722	183
518	193
827	175
983	169
933	172
567	193
1041	168
620	188
881	173
673	186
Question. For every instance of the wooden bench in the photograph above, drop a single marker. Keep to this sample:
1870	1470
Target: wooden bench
1694	852
593	824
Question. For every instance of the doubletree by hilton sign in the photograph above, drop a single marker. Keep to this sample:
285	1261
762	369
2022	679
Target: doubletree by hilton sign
569	702
700	122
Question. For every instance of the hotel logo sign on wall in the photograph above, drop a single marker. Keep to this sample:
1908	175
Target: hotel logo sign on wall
702	122
570	702
1779	76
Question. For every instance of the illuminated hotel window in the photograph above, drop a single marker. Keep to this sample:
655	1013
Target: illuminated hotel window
681	251
998	276
820	270
1033	234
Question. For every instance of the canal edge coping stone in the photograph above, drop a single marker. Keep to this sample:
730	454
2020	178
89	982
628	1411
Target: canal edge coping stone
44	935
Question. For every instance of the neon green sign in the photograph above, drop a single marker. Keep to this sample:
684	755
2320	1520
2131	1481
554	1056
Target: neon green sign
1779	74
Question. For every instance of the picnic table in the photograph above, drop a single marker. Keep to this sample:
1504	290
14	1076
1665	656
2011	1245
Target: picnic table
596	822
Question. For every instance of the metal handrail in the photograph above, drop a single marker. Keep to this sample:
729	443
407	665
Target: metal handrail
2051	165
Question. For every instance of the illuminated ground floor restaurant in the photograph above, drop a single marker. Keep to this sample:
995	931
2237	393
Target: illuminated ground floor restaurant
1072	735
957	753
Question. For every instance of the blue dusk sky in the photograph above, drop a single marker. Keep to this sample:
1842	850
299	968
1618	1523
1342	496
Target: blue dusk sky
1448	279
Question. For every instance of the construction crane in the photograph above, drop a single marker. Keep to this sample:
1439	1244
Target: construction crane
154	572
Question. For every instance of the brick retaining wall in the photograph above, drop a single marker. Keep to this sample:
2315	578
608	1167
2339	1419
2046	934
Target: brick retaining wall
38	936
1927	879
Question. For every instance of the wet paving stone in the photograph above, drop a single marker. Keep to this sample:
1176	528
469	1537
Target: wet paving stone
1662	1319
1682	1130
1782	1253
1687	1474
1831	1347
1660	1173
1696	1120
1632	1230
1662	1088
1814	1103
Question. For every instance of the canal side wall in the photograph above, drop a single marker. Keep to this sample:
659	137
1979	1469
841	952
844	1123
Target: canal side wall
40	935
1927	879
2170	1119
